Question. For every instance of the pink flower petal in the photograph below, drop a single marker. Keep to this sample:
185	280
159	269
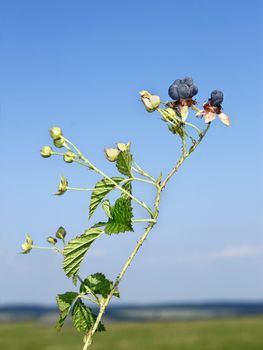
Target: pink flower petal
200	113
209	117
224	118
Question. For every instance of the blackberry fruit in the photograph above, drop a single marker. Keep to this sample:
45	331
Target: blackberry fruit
216	98
182	89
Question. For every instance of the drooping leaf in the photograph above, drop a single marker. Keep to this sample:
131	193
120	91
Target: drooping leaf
76	248
122	215
107	208
98	284
83	318
64	302
124	162
102	188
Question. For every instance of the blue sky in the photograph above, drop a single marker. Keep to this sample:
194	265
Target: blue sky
80	65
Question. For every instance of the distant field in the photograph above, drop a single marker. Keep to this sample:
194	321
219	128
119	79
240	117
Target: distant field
229	334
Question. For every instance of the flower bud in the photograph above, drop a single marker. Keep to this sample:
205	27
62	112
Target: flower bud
46	151
151	102
55	132
111	154
69	157
63	186
27	245
60	142
122	147
61	233
52	240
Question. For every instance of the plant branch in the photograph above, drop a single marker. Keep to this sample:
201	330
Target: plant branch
185	154
93	167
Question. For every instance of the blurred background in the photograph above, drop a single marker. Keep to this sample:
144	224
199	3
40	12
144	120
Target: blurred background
197	282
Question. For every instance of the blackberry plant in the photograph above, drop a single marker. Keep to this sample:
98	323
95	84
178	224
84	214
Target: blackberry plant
97	289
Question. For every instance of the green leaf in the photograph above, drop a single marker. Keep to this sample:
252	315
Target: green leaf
122	215
124	162
76	248
64	302
107	208
83	318
98	284
98	224
102	188
127	186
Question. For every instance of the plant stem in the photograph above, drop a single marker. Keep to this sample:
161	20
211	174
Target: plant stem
93	167
183	157
144	220
151	224
141	171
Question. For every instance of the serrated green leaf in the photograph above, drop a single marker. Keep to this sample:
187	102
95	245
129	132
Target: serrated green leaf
98	284
124	163
102	188
83	318
64	302
127	186
107	208
122	215
76	248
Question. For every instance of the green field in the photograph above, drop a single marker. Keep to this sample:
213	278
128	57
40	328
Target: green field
230	334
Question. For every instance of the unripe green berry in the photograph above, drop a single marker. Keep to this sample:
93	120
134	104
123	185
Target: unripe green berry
61	233
46	151
55	132
69	157
60	142
52	240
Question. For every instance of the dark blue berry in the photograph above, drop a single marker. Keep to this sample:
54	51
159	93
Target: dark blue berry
193	90
173	92
216	98
184	91
177	82
188	81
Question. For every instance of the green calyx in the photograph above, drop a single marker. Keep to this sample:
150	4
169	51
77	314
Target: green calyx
27	245
61	233
63	186
55	132
46	151
52	240
59	142
69	157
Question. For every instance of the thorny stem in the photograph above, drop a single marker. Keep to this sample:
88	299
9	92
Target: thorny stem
184	155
